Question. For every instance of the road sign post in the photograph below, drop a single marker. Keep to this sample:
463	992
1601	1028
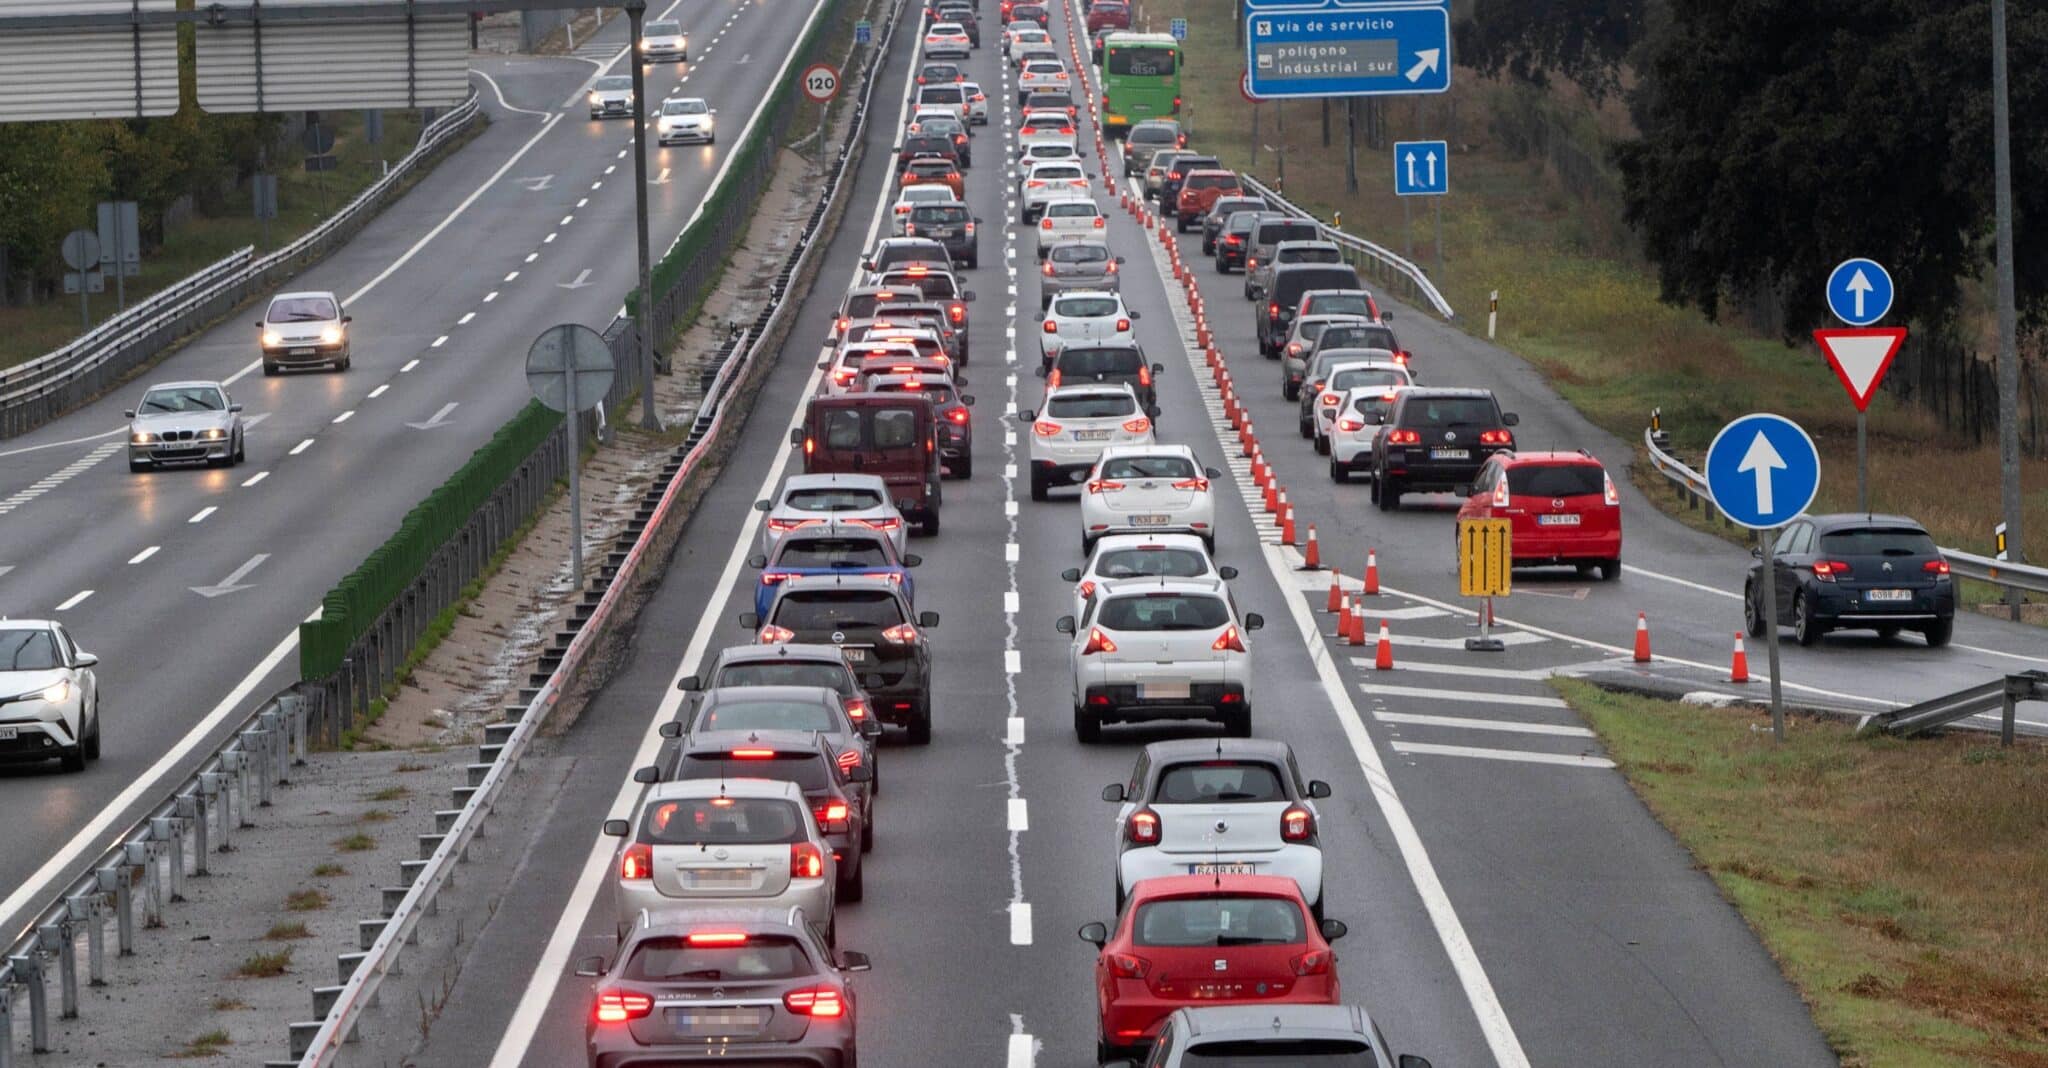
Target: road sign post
863	32
650	418
82	255
1485	562
570	368
1762	470
1324	49
820	85
1422	168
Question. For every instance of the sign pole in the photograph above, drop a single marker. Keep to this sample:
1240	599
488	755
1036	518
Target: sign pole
636	12
575	447
1862	463
1770	581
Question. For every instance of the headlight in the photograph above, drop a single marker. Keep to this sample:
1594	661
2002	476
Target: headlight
141	438
593	98
330	335
214	435
271	339
643	46
56	692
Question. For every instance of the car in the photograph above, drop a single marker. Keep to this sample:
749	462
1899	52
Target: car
1160	649
977	103
1116	363
913	319
611	96
1145	138
859	353
1220	210
938	368
909	197
1361	414
1032	13
1108	15
818	709
1096	316
52	707
872	623
307	329
1043	152
664	41
1272	1036
758	987
1046	128
185	422
1147	488
832	549
1046	182
1233	240
1290	281
686	118
1345	370
1301	338
1855	572
954	420
947	40
1207	940
1161	164
1272	230
1342	302
1336	332
864	302
1562	507
963	16
949	223
1122	556
891	253
1017	34
823	500
937	73
917	144
1056	100
938	284
1258	278
935	170
882	343
809	759
1076	423
1068	219
1097	43
889	435
790	664
1083	263
944	122
771	851
1234	806
1198	192
1184	164
951	94
1043	75
1437	439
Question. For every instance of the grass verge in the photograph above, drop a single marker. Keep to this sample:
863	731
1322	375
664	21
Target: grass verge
312	900
1898	883
265	965
206	1045
356	843
286	932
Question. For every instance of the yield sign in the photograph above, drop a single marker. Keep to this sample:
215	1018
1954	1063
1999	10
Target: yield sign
1860	357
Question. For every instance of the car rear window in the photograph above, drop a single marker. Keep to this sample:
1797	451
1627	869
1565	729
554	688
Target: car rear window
1072	209
1079	253
1218	921
1049	100
1049	151
1556	480
1164	612
759	957
930	284
1274	232
938	394
1309	255
1352	336
806	769
941	94
1091	406
1340	304
837	610
1153	560
1280	1053
721	821
1100	362
1449	411
930	168
1292	281
831	552
1367	376
832	676
943	213
1044	66
833	498
1152	135
1148	467
1210	782
927	145
1211	181
773	715
1878	541
1085	307
1045	122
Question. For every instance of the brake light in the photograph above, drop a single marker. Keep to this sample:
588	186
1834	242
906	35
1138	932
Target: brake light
856	708
958	415
718	938
886	523
1198	485
1098	222
775	578
1045	429
1401	357
1936	567
831	817
1142	828
1350	425
1228	641
1123	325
618	1006
810	446
1176	107
774	635
1104	485
1496	437
1067	131
1138	425
821	1002
1087	588
1047	269
1111	269
1098	642
1330	400
1404	437
900	634
1614	498
1144	375
1313	962
910	229
1272	311
1251	263
1830	570
1033	183
637	862
1173	176
849	759
787	525
1045	223
970	229
1128	966
1232	239
752	754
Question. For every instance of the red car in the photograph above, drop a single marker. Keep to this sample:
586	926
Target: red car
1187	940
1199	191
1108	14
1563	505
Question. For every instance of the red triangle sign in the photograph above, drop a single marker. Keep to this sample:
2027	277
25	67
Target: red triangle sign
1860	357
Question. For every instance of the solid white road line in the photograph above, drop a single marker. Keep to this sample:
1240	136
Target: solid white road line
1419	641
1023	1051
1514	755
1477	697
61	444
1470	724
1020	816
1466	670
74	601
1676	581
144	554
500	94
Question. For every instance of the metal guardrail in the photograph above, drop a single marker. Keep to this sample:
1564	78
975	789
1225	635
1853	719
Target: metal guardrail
147	865
1693	486
2003	694
40	390
1382	263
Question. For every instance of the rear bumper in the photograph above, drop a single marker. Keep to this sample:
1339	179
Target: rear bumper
1136	1015
1303	864
814	896
1120	703
1847	607
615	1053
1534	548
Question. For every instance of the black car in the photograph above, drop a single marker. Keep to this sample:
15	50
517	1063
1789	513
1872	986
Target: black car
1183	165
798	708
874	627
1436	440
1234	240
955	422
967	19
1855	572
950	224
1219	213
804	758
1091	365
1275	315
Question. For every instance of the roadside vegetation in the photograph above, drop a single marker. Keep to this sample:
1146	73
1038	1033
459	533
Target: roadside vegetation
1898	883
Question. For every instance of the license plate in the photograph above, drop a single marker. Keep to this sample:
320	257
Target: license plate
855	656
1156	691
717	1021
301	352
8	734
1557	520
1888	595
1091	435
717	878
1450	454
1245	868
1149	520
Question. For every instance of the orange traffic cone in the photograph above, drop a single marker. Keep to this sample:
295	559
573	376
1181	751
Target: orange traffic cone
1272	497
1312	556
1337	596
1739	670
1642	638
1358	622
1383	657
1343	615
1287	524
1372	572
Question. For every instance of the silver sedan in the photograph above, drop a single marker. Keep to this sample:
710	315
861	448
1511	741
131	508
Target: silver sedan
1076	265
185	422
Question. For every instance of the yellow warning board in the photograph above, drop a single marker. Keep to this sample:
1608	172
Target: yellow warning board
1484	556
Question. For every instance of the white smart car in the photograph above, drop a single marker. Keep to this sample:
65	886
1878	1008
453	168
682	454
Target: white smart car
49	695
1076	424
1154	487
1122	556
1160	649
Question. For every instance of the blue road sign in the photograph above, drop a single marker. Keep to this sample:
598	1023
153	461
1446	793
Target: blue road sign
1859	291
1762	470
863	32
1348	51
1179	29
1422	168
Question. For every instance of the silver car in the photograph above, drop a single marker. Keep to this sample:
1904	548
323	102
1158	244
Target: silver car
664	41
709	842
184	422
1259	1034
304	330
1075	265
611	96
824	499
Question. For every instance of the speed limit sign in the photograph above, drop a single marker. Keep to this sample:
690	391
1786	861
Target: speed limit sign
821	82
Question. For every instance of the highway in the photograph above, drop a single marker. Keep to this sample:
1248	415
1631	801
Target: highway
1510	899
527	226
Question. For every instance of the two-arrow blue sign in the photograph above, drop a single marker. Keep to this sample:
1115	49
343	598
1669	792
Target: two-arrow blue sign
1762	470
1422	168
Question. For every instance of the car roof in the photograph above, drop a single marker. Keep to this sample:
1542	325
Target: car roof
1210	171
833	479
1118	452
808	583
1286	1020
1844	520
1085	389
1213	886
749	694
1551	456
747	654
1139	584
26	624
1218	747
1304	242
1139	541
1427	392
932	379
703	741
189	384
732	785
1087	293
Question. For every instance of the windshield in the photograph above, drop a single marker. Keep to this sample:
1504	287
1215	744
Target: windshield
1219	781
1100	362
1086	307
759	957
943	213
721	821
685	107
1877	541
833	499
1136	563
1153	135
1091	406
27	650
1164	611
837	610
1557	480
1357	336
614	85
1218	921
1148	467
302	310
805	768
184	399
1144	61
1309	254
745	715
832	552
664	29
1450	411
1280	1053
1072	209
833	676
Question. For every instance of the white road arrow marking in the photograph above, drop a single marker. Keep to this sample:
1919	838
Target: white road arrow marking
1762	458
1411	169
581	281
4	569
440	418
1859	287
536	184
745	57
1425	63
663	180
231	583
1431	160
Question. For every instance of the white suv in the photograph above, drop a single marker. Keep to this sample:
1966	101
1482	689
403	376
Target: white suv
1136	488
1044	182
1076	424
1151	649
49	695
1122	556
721	842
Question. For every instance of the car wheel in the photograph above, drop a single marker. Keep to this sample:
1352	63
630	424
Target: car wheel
1939	633
867	834
92	736
1887	633
1804	627
1387	494
1302	427
857	887
1087	546
138	465
965	468
74	757
921	723
1087	729
1610	570
929	525
269	369
241	453
1291	390
1322	444
1339	473
1752	612
1104	1052
1038	485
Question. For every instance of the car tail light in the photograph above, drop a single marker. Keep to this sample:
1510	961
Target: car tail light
1104	485
1176	107
774	635
849	759
1404	437
888	523
1045	429
910	229
970	229
1098	222
1111	269
752	754
806	861
1251	263
787	525
1045	223
1144	375
1272	311
1830	570
1331	399
1051	327
775	578
1123	325
958	415
1613	495
1142	828
1313	962
1128	966
1087	588
1173	176
1138	425
1935	567
856	708
618	1006
1401	357
1500	493
900	634
1047	269
1033	183
717	938
1496	437
1350	425
820	1002
1066	131
1198	485
637	862
831	817
1228	641
1232	239
1052	379
1297	824
1098	642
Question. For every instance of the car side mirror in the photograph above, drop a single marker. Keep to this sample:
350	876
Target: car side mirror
617	828
593	967
763	505
750	620
1756	552
1253	621
348	318
851	961
1072	574
234	407
912	559
1410	1060
796	437
1136	315
1040	371
1113	793
905	504
1152	410
85	660
713	111
977	219
1226	572
1064	624
927	619
1119	261
690	683
1026	415
128	414
967	297
1095	934
259	324
1388	317
671	729
1087	174
967	399
1212	472
1332	930
757	560
1158	369
1510	419
822	365
647	775
1318	789
860	773
871	727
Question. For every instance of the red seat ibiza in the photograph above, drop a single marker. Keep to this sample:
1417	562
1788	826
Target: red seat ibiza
1563	507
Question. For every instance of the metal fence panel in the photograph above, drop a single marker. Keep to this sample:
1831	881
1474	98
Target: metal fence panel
309	65
87	74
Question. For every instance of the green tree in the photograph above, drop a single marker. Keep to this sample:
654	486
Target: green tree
1585	41
51	174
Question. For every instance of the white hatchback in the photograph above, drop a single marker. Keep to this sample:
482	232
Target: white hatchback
1361	417
1046	127
1148	488
1070	218
1046	182
1122	556
1076	424
1334	378
1152	649
1043	76
977	103
705	843
946	40
1023	33
1098	317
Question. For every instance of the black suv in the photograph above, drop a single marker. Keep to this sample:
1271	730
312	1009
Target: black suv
1094	365
1853	572
874	627
1436	440
950	224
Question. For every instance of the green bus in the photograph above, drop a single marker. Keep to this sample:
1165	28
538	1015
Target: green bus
1140	80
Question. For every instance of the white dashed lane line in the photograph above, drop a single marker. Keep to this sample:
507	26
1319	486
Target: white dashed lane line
345	416
301	447
61	476
379	391
255	478
409	365
439	341
74	601
144	554
200	515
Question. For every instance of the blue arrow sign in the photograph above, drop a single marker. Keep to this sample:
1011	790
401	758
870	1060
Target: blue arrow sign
1348	51
863	32
1179	29
1422	168
1762	470
1859	291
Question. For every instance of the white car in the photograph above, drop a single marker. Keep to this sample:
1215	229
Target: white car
946	40
1068	219
1076	424
182	422
1152	649
1239	807
306	329
1046	181
1361	417
1095	316
709	842
611	97
908	200
1034	52
846	361
1339	373
1024	33
977	103
1122	556
1148	488
816	500
664	41
685	118
1046	128
49	696
1043	75
1044	152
